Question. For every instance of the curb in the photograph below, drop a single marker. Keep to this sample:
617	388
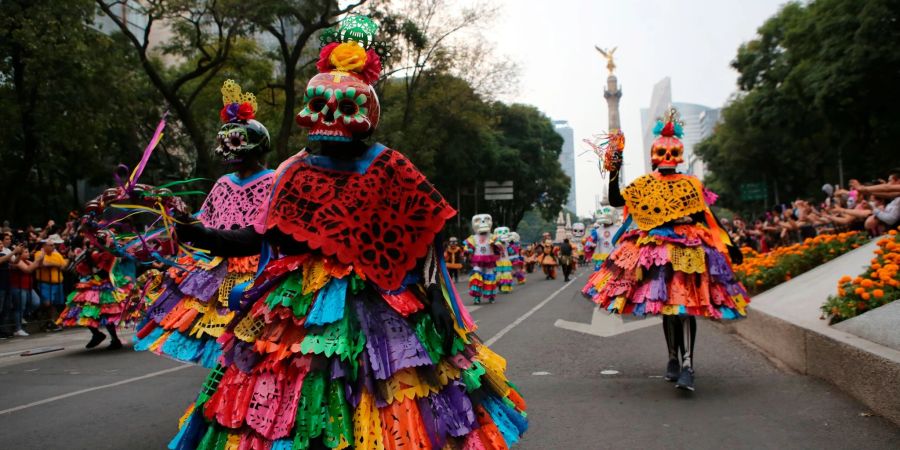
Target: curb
865	370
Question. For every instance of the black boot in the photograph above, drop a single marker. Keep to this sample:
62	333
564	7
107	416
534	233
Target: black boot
96	338
115	343
670	330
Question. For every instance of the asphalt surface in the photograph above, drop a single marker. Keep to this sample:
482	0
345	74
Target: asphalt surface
583	391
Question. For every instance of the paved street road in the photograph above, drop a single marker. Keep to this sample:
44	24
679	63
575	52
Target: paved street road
583	391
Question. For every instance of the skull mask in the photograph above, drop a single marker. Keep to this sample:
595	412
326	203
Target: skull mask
454	241
502	234
514	237
578	230
339	106
482	223
667	152
605	215
236	140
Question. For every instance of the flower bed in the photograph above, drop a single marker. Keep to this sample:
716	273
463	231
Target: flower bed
878	285
762	271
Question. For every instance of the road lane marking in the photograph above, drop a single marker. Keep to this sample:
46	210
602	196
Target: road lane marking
95	388
604	324
528	314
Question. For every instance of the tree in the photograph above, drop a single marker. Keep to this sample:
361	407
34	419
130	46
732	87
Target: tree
816	102
68	103
203	32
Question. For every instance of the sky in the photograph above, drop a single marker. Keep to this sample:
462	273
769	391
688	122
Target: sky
690	41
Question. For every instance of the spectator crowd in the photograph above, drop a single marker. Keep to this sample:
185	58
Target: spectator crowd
36	274
872	207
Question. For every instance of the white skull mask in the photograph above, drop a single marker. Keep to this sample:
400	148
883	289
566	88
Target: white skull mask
482	223
578	230
605	215
514	237
502	234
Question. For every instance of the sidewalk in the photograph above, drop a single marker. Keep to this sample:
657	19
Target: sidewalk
785	321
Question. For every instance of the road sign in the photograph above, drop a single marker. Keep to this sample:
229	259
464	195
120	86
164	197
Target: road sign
754	191
494	190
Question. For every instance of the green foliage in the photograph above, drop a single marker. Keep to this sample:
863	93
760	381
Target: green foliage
817	86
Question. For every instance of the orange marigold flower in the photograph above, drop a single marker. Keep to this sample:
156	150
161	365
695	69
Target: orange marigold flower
859	291
865	296
878	293
845	279
866	283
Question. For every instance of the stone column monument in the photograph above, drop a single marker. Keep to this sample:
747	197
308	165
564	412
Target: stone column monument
612	93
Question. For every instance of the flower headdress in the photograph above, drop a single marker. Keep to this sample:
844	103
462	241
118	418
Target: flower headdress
670	124
236	105
351	47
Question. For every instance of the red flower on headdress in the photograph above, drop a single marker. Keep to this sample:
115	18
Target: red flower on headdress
324	63
245	111
668	129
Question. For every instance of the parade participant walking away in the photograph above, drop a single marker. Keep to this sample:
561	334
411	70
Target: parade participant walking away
676	262
482	253
566	258
99	300
191	311
602	234
454	255
352	335
548	257
515	256
504	270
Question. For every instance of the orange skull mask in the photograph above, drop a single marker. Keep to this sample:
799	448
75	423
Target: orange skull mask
666	152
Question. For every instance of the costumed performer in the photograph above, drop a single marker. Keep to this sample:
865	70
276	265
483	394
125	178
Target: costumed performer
504	270
530	254
602	234
100	299
454	255
192	310
578	231
515	256
352	334
676	262
481	251
548	255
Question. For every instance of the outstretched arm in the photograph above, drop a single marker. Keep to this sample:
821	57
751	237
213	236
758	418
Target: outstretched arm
615	195
241	242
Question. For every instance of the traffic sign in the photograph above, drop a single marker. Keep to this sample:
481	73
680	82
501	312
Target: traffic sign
754	191
494	190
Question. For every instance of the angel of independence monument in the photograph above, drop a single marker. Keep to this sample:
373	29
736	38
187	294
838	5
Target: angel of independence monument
612	93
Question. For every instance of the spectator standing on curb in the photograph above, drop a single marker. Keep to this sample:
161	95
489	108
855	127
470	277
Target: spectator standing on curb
49	278
7	310
21	283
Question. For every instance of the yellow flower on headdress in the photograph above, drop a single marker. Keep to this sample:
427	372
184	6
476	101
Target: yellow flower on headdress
348	57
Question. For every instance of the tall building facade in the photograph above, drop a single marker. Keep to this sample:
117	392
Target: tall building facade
699	121
567	158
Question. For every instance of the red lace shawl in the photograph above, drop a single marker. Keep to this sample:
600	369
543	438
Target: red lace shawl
381	221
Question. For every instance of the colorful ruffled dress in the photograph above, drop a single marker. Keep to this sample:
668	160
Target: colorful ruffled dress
504	270
675	262
483	259
102	292
354	336
191	310
518	262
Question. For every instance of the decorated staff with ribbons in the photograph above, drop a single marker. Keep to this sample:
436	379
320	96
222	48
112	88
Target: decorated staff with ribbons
482	253
675	261
191	311
454	255
351	334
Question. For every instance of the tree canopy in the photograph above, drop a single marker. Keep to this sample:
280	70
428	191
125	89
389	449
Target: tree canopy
817	96
84	82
